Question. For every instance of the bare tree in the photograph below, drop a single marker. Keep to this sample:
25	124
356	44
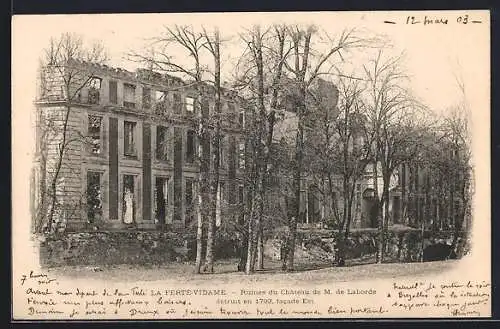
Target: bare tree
306	64
263	83
63	75
201	49
212	44
395	130
189	44
459	168
341	149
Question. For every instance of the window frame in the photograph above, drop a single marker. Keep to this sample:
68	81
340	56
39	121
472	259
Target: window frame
194	147
146	98
101	135
177	103
166	148
100	175
126	103
137	199
113	97
134	153
190	107
96	90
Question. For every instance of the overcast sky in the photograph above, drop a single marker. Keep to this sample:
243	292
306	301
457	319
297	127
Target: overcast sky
434	54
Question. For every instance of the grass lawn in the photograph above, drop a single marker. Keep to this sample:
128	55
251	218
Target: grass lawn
225	271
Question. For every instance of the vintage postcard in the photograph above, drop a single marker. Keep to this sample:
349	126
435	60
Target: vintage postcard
251	165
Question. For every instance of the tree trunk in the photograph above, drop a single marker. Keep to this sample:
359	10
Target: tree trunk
199	232
41	211
386	215
250	263
243	243
288	264
343	231
260	249
203	191
422	241
214	191
53	185
209	255
380	219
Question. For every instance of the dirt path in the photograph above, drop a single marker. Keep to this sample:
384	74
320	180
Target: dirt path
225	272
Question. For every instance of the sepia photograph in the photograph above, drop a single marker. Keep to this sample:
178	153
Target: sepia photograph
251	165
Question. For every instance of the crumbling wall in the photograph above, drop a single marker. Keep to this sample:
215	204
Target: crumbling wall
107	248
401	245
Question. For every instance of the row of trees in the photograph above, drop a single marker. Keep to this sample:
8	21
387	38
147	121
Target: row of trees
371	118
376	121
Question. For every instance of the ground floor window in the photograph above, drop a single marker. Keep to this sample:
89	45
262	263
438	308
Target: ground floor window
162	214
129	199
190	202
313	206
94	196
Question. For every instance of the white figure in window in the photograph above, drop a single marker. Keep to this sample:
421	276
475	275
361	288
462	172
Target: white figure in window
128	207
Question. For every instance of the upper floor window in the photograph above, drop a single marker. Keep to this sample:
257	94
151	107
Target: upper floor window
146	98
189	105
190	146
161	104
205	108
161	143
128	95
94	90
177	103
231	112
94	132
129	148
113	92
160	95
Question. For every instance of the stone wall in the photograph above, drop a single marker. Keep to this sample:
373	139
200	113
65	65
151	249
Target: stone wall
106	248
402	245
127	247
153	247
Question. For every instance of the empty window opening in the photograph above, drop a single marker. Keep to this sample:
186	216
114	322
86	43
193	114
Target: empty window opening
94	197
129	138
162	143
161	201
113	92
94	90
177	103
94	133
189	105
128	96
146	98
190	146
129	200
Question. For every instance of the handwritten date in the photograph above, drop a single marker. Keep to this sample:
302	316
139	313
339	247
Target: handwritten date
438	20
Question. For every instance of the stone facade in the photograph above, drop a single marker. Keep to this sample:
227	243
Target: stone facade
132	154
